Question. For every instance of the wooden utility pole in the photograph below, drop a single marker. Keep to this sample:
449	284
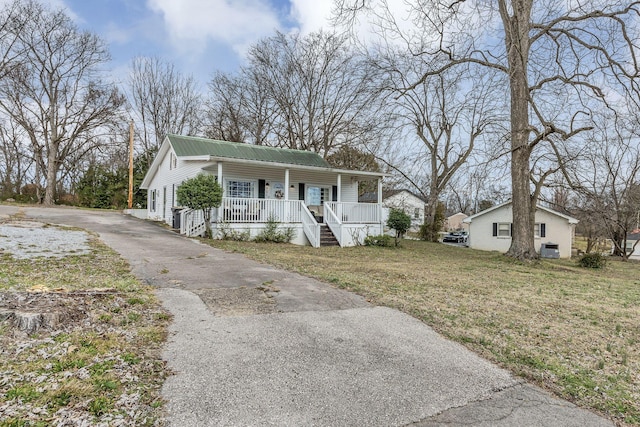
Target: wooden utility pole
130	199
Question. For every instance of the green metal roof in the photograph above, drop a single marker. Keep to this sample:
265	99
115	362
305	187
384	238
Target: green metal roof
192	146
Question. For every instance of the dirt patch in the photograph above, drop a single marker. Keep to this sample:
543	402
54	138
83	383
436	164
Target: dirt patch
241	301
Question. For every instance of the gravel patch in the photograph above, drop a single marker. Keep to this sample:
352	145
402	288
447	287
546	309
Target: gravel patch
25	240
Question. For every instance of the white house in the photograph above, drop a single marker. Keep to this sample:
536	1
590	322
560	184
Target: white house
408	202
490	230
297	188
633	246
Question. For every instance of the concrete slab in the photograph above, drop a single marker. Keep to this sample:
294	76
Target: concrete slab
366	366
523	405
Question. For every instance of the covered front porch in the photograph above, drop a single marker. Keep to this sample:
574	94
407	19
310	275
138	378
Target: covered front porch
297	189
348	222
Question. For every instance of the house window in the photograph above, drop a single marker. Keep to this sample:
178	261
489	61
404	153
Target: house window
241	189
173	161
539	230
416	213
504	229
153	200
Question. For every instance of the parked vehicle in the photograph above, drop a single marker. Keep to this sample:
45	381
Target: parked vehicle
455	237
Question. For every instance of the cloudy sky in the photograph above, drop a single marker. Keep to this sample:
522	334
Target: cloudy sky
199	36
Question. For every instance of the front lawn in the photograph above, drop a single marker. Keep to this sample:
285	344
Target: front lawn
573	331
96	359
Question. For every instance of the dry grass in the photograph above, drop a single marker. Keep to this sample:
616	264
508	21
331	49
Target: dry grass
102	368
571	330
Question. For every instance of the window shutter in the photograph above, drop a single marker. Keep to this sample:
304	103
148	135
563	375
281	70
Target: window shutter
495	229
301	191
261	186
543	230
510	229
334	193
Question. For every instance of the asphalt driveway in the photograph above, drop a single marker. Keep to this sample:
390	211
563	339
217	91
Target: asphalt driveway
254	345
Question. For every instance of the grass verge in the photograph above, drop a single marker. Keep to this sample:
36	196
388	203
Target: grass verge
571	330
102	365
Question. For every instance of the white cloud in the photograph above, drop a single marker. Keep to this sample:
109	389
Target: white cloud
192	24
311	15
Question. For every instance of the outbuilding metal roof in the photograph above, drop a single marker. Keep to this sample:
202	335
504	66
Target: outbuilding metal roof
189	146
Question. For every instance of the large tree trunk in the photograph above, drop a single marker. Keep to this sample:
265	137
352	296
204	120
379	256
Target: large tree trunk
523	209
52	173
517	43
430	217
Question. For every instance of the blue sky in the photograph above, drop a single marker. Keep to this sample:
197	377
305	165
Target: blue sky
198	36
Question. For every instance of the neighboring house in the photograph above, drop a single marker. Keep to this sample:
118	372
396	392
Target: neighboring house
408	202
490	230
455	222
297	188
632	238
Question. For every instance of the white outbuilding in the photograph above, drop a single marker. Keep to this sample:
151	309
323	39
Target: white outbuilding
490	230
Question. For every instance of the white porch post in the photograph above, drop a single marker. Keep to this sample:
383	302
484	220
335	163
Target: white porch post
380	205
339	188
221	186
286	185
287	208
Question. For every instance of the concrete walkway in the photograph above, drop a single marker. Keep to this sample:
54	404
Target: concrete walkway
254	345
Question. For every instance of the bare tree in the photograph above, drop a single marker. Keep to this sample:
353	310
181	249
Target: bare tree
163	100
12	21
446	114
558	59
240	109
15	160
318	87
53	88
606	178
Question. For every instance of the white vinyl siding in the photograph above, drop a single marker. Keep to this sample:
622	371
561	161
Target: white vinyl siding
409	204
170	178
556	230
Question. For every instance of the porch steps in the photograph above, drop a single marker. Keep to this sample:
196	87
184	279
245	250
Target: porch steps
326	236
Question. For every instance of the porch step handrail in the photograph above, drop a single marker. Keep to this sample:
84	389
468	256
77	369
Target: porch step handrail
192	223
333	221
310	226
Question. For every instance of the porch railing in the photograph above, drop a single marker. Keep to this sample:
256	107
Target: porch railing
309	225
333	221
192	223
355	213
258	210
